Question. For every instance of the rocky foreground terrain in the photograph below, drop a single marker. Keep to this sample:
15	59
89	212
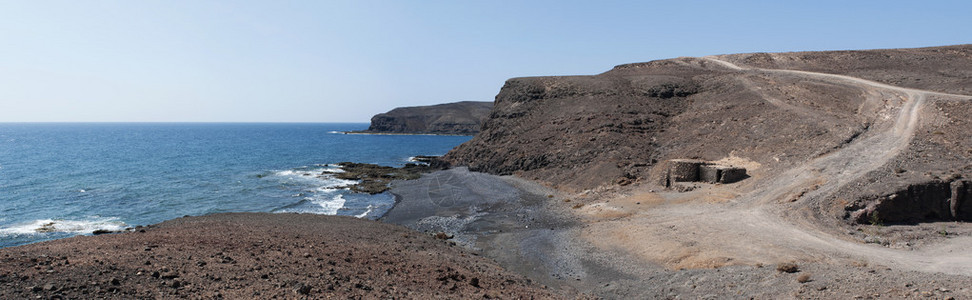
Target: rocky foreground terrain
257	256
459	118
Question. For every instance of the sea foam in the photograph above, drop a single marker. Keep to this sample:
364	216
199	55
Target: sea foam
324	193
69	226
319	177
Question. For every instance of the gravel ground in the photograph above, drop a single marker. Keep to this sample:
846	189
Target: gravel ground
257	256
540	234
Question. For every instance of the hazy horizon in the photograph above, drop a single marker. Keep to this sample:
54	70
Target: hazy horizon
342	62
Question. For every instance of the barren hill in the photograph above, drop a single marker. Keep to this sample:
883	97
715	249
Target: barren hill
460	118
852	159
907	109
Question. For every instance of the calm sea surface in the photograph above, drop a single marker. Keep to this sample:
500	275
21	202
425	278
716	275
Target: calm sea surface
60	180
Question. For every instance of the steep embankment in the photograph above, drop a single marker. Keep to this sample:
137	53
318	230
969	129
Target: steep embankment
459	118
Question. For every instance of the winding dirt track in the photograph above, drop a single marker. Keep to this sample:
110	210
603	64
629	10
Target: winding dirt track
840	167
755	227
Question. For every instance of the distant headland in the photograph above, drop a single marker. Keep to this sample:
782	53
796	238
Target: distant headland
458	118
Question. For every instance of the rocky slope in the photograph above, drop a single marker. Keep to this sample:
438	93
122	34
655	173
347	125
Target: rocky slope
257	256
620	127
857	163
459	118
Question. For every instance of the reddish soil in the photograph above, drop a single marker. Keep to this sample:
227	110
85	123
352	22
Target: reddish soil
257	256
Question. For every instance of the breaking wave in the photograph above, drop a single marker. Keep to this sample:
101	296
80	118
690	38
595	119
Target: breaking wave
64	226
321	192
315	205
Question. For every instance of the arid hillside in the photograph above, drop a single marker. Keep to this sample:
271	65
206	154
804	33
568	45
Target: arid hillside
906	110
842	160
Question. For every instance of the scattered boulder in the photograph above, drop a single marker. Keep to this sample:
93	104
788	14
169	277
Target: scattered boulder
787	268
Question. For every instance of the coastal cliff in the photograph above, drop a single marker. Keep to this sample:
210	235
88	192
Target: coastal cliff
832	166
459	118
777	111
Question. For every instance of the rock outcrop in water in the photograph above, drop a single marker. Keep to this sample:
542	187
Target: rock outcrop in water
374	179
459	118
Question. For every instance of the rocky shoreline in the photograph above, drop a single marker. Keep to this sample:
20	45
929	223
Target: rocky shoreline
375	179
462	234
392	133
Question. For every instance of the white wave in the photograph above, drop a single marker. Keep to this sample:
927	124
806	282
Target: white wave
320	177
322	205
289	173
414	160
333	169
68	226
330	206
365	214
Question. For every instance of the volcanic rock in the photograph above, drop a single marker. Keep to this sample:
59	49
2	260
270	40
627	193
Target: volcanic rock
579	133
459	118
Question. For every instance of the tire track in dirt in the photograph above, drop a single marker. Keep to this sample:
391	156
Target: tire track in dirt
823	176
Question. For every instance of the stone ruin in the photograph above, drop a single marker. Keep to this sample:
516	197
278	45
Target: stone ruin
692	170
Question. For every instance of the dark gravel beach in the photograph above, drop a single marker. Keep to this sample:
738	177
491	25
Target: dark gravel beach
550	237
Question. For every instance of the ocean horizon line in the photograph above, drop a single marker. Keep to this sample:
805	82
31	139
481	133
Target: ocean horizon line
174	122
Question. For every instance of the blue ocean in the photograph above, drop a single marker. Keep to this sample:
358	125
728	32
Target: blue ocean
61	179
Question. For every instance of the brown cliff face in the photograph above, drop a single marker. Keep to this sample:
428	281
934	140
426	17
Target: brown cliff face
460	118
554	128
614	128
582	132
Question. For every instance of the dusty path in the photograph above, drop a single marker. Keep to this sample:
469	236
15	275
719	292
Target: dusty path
716	239
771	221
828	173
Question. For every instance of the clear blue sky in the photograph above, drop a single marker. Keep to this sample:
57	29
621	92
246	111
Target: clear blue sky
325	61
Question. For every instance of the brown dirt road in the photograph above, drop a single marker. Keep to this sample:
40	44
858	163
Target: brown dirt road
771	219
